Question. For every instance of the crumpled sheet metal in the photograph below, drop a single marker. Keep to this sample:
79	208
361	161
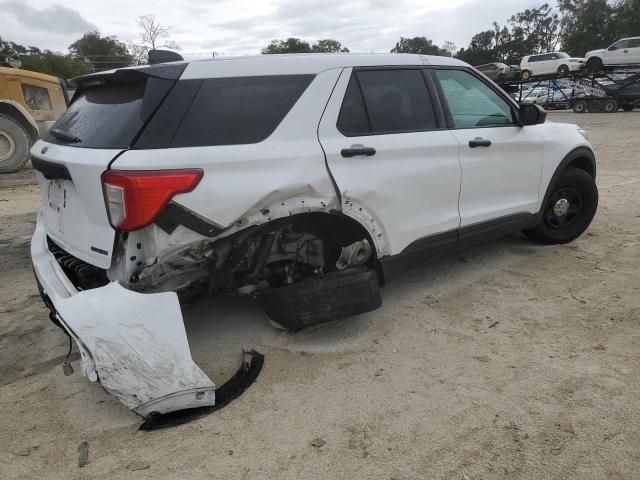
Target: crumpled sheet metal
136	346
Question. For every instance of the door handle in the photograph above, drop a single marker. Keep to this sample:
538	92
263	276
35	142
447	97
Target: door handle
479	142
356	150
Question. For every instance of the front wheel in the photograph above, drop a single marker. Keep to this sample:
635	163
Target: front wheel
563	70
627	108
526	75
568	210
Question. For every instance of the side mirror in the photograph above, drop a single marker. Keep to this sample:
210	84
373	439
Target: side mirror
532	114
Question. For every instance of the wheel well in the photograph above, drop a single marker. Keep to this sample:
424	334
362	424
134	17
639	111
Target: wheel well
12	112
583	163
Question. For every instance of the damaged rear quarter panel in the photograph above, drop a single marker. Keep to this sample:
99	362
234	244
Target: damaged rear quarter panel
240	181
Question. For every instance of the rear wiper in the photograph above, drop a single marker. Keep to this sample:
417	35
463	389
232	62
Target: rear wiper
62	135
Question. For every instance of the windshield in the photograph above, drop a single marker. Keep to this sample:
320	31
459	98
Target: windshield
562	55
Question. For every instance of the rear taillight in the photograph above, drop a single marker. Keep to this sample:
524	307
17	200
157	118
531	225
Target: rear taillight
134	198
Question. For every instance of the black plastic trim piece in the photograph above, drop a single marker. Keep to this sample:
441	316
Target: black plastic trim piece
580	152
225	394
50	170
482	232
452	241
175	214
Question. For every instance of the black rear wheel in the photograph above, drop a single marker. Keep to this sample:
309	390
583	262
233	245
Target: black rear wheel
323	298
609	106
568	209
595	106
580	106
594	65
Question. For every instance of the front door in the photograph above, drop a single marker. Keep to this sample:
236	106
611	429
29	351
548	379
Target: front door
501	160
393	161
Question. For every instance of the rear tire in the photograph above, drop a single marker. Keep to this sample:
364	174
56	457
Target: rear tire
627	108
610	106
595	106
580	106
323	298
526	75
14	145
568	210
594	65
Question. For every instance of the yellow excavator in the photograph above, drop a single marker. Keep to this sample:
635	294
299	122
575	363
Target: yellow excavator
30	103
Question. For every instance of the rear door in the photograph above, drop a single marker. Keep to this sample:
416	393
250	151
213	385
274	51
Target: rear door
103	121
501	160
390	154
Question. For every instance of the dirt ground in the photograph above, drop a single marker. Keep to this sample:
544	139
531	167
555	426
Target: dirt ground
511	361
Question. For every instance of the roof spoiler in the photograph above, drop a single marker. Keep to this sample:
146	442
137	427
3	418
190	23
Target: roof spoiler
163	56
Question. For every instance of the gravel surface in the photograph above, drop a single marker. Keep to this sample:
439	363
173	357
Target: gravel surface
511	360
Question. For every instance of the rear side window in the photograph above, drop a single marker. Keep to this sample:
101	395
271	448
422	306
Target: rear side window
386	101
37	98
223	111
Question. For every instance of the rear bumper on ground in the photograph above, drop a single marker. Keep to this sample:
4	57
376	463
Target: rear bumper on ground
133	344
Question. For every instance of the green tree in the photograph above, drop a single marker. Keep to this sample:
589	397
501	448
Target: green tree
419	45
290	45
102	53
56	64
328	46
627	19
588	25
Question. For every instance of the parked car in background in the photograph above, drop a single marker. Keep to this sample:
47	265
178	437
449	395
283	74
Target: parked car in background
30	102
500	72
623	52
543	96
549	64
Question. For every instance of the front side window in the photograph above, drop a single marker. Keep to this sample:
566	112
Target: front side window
634	43
473	103
37	98
619	45
394	101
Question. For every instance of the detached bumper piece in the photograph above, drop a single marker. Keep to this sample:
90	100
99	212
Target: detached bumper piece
133	344
225	394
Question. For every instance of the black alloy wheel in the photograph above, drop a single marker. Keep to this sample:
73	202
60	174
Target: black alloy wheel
564	207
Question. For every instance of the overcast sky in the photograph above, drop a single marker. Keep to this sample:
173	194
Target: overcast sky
244	27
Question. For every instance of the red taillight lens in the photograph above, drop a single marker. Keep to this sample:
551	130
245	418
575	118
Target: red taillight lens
134	198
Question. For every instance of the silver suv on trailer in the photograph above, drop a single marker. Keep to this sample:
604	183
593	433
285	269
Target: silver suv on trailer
298	179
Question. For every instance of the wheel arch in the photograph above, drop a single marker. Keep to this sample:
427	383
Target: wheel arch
21	115
582	158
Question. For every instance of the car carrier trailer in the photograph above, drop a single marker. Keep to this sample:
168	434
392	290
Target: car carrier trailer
607	91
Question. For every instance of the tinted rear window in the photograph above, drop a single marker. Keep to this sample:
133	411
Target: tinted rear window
110	114
223	111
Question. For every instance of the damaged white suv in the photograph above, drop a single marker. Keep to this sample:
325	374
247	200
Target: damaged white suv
297	179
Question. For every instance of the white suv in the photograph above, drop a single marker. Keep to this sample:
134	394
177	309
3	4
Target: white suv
298	179
623	52
552	63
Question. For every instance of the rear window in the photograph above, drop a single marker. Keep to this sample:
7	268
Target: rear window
111	113
223	111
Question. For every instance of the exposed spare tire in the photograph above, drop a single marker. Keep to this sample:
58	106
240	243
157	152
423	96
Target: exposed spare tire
323	298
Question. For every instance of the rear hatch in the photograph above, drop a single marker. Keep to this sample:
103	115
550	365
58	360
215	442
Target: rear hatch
107	114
